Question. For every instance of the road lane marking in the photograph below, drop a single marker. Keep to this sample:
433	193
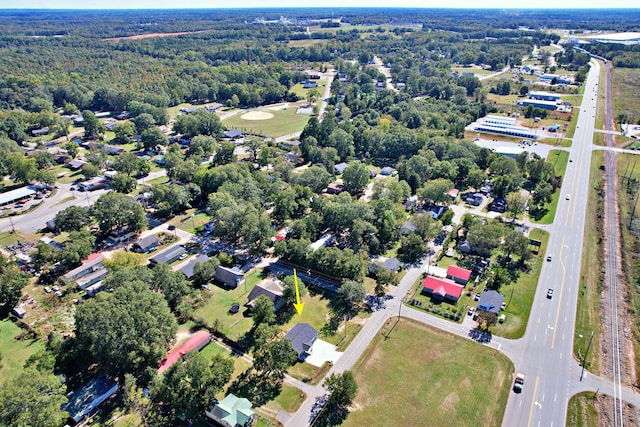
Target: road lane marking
533	401
564	271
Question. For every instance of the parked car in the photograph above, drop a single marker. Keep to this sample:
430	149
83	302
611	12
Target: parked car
477	296
19	205
471	310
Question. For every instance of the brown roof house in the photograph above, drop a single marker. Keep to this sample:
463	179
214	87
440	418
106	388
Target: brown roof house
270	289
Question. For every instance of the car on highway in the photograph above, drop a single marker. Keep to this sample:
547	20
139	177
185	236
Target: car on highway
549	293
568	197
518	384
549	258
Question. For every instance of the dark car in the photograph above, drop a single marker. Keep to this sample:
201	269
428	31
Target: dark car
171	227
235	307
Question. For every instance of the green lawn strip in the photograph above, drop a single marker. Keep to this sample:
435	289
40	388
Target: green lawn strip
571	129
602	81
598	139
559	159
581	411
289	399
519	295
556	141
587	313
309	373
14	352
284	122
438	377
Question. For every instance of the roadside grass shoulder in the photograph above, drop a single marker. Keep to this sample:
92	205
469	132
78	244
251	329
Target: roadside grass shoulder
581	411
587	313
438	377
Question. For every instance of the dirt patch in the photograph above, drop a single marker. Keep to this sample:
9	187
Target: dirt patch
257	115
604	406
151	35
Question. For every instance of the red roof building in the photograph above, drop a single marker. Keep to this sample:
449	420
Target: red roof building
458	275
197	342
442	289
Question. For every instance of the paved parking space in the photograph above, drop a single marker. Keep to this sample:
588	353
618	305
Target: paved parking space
323	352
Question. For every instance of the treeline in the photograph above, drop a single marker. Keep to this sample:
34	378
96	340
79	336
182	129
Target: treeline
624	56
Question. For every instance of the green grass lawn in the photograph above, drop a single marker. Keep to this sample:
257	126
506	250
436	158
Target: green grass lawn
581	411
14	352
284	122
519	296
233	326
447	380
587	313
625	84
556	141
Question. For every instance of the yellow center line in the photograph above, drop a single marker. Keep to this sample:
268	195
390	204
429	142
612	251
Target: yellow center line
555	326
533	401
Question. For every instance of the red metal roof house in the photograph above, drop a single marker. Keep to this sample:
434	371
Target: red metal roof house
442	289
197	342
458	275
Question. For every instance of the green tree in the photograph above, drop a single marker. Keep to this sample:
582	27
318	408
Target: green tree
113	210
135	399
124	259
412	247
143	122
289	289
204	271
484	238
72	149
12	280
225	153
350	296
153	138
127	331
73	218
124	131
173	285
263	311
92	126
342	389
272	359
355	177
435	191
90	171
33	398
123	183
188	389
127	163
516	203
78	246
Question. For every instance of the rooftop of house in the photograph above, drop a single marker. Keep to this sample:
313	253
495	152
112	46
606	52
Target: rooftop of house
443	286
196	342
458	272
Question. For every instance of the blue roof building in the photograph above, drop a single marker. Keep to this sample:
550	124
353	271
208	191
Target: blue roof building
84	401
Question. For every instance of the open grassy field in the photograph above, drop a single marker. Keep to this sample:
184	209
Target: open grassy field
519	295
14	352
581	412
625	88
447	380
284	122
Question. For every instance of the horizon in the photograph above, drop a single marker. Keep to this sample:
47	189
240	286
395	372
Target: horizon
122	5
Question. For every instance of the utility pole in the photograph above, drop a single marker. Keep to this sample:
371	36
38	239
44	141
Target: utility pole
584	359
13	228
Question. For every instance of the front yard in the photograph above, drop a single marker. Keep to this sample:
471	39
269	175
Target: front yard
436	376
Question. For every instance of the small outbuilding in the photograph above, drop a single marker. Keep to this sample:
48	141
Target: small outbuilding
85	401
340	167
459	275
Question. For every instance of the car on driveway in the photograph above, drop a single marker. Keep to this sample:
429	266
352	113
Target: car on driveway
549	293
471	310
477	296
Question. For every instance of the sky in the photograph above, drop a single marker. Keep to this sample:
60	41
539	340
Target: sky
192	4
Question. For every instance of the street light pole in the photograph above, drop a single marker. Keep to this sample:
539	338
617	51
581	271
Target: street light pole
584	359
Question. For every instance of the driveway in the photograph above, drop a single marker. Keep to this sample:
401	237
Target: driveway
323	352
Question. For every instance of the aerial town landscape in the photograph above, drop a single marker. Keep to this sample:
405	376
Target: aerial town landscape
319	216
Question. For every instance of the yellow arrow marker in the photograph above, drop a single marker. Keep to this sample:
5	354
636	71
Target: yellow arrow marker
298	305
